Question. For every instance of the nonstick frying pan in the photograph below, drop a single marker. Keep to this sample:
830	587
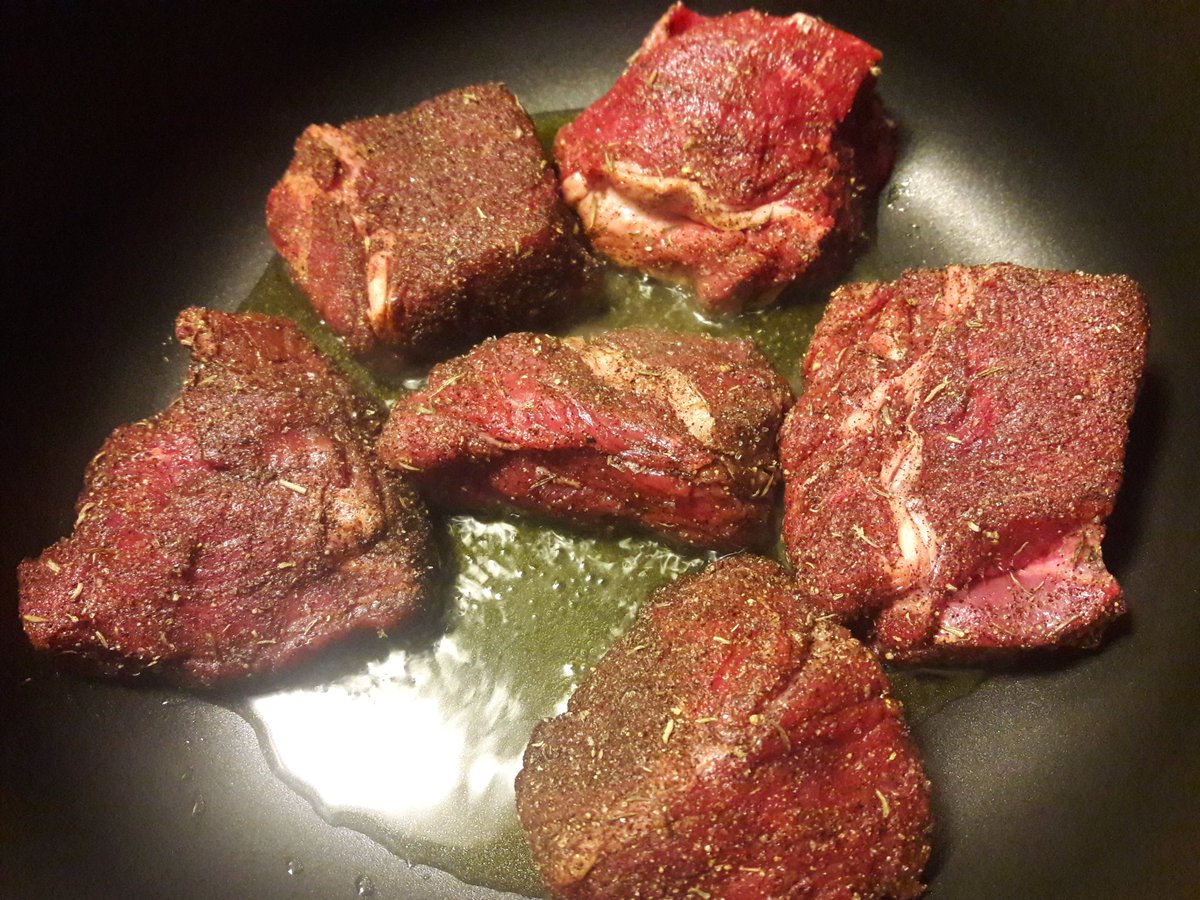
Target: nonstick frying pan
141	141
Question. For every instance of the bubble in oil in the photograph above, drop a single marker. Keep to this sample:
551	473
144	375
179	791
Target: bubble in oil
896	198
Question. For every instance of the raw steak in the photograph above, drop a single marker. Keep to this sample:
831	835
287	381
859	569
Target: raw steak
956	453
672	433
732	744
238	531
735	154
429	229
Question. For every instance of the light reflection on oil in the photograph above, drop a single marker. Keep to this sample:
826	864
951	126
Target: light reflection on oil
330	737
420	749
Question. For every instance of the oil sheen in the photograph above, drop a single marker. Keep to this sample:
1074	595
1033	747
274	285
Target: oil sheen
417	744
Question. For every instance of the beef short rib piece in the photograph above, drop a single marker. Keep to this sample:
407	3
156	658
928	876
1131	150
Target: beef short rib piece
956	453
430	229
238	531
732	744
735	154
672	433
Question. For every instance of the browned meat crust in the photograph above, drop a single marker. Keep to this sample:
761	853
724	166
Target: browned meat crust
431	229
670	433
239	530
735	154
956	453
730	745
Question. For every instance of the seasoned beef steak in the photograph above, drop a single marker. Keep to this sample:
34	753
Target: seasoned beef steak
732	744
735	154
430	229
237	531
672	433
958	448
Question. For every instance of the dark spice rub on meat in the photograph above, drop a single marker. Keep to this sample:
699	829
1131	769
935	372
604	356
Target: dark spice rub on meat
239	530
668	432
958	448
431	229
732	744
735	154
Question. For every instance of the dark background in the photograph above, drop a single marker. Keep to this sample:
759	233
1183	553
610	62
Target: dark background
139	143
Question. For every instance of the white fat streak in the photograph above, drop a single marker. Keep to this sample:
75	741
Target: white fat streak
609	212
886	345
379	259
914	535
574	188
804	22
622	370
640	187
859	421
633	209
377	289
958	292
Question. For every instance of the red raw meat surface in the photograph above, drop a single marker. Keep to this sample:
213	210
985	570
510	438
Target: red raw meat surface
430	229
959	445
665	432
734	154
238	531
732	744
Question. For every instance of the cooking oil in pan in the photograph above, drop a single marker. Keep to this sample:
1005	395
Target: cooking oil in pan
419	745
420	748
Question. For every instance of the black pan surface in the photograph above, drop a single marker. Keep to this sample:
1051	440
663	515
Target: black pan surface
141	141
